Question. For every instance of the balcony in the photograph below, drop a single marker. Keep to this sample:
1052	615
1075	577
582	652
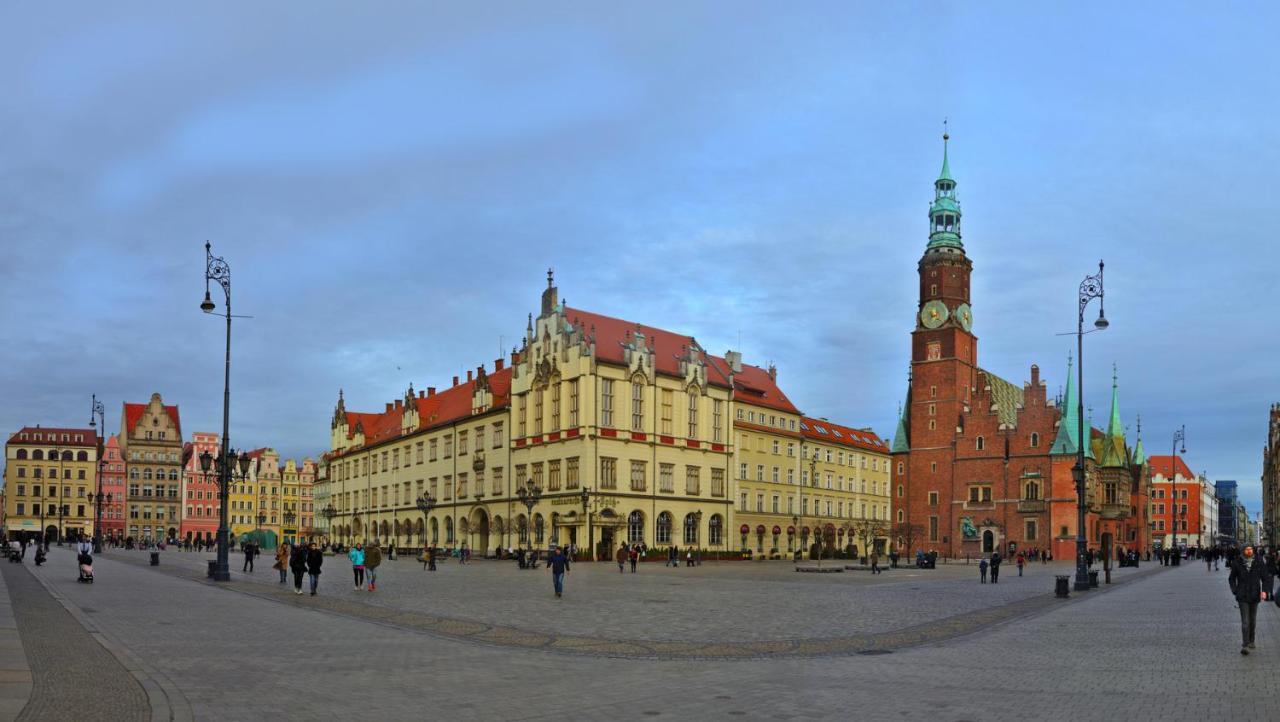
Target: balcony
1031	506
1115	511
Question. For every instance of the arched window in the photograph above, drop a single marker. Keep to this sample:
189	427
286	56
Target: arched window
448	529
635	527
690	529
22	454
146	474
981	443
522	529
901	516
1035	439
715	530
82	456
133	473
901	468
539	529
66	456
664	528
435	531
173	475
1031	490
37	455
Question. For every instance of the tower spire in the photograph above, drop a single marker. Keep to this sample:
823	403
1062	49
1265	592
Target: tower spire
1066	443
944	212
900	443
1113	446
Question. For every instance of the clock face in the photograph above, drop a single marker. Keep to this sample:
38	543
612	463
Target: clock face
964	315
934	314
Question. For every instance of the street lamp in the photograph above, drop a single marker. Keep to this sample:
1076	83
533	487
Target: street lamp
426	502
226	464
1090	288
1179	437
529	495
329	513
813	479
585	496
697	534
217	270
96	408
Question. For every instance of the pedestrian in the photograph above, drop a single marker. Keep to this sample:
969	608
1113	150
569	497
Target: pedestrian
372	558
558	565
875	562
1021	560
621	556
356	555
249	550
297	563
688	557
634	556
282	561
995	567
982	571
1250	582
673	556
315	559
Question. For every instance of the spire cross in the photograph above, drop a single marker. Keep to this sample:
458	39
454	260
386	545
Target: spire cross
945	136
1113	375
550	274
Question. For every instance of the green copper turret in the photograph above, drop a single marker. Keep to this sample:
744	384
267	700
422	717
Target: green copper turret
1113	445
944	212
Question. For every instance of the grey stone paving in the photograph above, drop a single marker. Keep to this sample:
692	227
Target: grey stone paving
1163	646
15	672
74	676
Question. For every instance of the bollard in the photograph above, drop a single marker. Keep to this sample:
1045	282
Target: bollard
155	559
1062	585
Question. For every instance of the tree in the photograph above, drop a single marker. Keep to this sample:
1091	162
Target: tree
907	534
868	530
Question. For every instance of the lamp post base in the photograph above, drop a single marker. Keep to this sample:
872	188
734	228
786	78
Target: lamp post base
221	575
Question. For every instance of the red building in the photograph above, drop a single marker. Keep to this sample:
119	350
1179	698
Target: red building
113	491
985	464
199	490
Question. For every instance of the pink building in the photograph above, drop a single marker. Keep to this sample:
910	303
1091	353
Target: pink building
199	490
113	491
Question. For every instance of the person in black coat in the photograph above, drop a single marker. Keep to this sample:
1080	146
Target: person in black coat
298	565
995	567
315	558
1250	581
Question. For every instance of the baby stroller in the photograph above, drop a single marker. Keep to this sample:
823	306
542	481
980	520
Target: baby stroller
86	568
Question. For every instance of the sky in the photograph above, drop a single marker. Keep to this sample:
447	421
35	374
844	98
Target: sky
390	182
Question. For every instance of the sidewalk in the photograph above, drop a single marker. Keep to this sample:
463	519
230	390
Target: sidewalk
15	672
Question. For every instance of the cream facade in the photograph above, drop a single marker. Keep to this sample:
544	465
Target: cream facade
151	444
49	483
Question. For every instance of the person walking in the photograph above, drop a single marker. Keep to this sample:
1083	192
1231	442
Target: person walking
297	563
356	555
995	567
621	556
1250	582
673	556
372	558
315	559
1021	561
282	561
558	565
982	571
634	556
875	562
249	549
688	556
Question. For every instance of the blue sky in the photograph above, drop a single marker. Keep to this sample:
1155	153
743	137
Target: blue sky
389	188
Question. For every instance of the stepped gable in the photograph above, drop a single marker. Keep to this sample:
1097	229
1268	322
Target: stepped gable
133	414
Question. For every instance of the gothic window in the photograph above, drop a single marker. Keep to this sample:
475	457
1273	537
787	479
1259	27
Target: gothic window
1031	490
637	405
1035	439
981	443
606	402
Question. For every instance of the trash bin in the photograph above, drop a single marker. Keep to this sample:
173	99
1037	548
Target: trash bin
213	566
1093	578
1062	585
155	559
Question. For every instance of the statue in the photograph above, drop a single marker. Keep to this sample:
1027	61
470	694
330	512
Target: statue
967	529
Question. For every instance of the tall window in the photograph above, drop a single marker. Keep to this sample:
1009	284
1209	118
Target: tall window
573	404
521	415
716	420
497	481
553	475
690	529
608	473
717	482
637	475
448	445
537	475
693	413
692	479
667	411
537	411
635	527
666	474
664	528
606	402
637	406
571	472
555	405
497	435
462	443
715	530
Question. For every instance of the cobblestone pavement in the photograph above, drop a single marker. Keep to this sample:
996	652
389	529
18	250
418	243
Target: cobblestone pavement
677	606
74	676
1164	645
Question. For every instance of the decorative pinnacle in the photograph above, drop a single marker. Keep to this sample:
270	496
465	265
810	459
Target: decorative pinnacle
550	277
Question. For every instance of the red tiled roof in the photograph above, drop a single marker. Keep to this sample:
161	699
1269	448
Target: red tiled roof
827	431
89	437
133	414
436	410
752	385
1162	465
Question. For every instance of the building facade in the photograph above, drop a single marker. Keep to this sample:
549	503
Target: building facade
986	464
1271	479
50	476
297	511
151	443
113	491
320	500
1185	508
200	502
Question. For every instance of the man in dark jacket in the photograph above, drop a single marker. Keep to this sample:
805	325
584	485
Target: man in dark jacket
298	565
250	551
1250	582
995	567
315	559
558	565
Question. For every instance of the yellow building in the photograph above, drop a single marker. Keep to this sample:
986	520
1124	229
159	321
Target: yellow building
844	492
296	510
49	482
767	469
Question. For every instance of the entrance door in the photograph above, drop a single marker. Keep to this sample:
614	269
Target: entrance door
988	542
482	533
604	550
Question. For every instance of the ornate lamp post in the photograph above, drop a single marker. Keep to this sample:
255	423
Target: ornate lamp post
813	479
329	513
1179	437
529	495
426	503
585	496
218	271
697	535
97	409
1090	288
226	464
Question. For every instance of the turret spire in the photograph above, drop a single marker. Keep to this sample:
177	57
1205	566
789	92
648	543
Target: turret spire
1113	446
900	443
1139	454
1066	443
944	212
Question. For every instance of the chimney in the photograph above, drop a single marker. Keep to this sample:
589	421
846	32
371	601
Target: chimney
399	404
515	357
388	406
431	391
422	394
497	364
734	359
773	372
1035	375
468	375
455	380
